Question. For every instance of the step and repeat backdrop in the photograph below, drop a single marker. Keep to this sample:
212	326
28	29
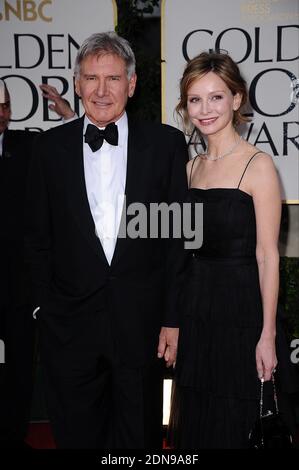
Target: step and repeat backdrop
39	41
263	37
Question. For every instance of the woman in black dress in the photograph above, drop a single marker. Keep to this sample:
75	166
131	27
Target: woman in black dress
227	339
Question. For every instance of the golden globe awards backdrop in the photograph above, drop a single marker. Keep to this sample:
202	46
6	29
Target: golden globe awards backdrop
263	37
39	41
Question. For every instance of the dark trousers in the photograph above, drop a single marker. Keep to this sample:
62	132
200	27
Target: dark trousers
17	331
94	400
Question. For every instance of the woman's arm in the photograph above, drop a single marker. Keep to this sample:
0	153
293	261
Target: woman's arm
267	204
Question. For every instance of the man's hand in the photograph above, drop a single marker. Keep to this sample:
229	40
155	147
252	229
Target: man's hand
168	343
60	105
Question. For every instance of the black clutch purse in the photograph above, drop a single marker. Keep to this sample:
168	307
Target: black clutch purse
269	431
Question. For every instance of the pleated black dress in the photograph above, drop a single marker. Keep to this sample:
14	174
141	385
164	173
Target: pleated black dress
216	391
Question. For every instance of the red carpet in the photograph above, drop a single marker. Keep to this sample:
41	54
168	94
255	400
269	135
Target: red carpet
40	436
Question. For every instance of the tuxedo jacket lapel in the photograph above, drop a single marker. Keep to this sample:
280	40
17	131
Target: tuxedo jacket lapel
77	193
138	165
138	155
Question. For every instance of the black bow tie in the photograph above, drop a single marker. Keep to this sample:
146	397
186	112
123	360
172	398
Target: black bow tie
94	137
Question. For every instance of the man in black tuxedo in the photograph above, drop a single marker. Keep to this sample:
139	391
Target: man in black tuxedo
16	323
108	305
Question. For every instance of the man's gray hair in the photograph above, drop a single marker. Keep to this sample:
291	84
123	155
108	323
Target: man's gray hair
106	43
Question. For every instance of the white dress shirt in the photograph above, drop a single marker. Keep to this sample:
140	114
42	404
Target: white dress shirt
105	177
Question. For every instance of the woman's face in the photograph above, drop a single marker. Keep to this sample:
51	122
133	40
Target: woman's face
211	104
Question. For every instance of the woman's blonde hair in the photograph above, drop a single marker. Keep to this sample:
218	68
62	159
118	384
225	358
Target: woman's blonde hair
223	66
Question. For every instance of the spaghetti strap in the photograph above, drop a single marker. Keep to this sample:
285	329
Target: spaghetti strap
247	166
190	176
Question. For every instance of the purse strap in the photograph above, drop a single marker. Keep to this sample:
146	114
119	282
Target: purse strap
262	396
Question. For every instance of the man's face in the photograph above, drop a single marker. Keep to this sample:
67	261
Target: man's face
104	88
5	113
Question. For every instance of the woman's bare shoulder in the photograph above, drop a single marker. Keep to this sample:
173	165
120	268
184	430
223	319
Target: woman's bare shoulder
263	175
261	160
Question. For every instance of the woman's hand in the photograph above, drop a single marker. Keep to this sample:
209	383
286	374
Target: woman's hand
265	355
